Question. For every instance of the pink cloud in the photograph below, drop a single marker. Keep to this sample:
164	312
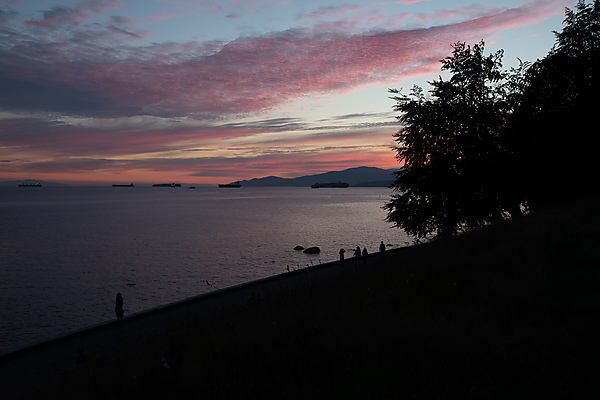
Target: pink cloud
85	74
335	11
247	75
205	169
411	1
140	137
469	12
56	141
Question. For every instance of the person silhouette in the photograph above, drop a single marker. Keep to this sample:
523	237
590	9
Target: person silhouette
382	247
365	253
119	307
81	358
342	251
356	255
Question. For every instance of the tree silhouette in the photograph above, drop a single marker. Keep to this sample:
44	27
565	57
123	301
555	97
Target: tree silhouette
555	128
452	148
487	143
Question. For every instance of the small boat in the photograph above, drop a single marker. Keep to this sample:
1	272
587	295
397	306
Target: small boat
30	185
167	185
330	185
230	185
117	185
192	187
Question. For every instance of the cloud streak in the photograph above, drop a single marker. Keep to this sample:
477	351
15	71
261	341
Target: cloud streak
57	16
247	75
82	89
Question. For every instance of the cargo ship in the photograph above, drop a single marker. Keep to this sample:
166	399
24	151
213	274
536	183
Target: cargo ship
30	185
167	185
330	185
130	185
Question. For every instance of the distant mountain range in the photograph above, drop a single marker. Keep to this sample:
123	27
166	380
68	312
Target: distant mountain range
357	177
360	176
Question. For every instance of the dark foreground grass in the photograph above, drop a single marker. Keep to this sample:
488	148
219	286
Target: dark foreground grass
510	312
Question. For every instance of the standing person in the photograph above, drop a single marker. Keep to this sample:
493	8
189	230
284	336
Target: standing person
119	307
382	247
342	251
365	253
356	255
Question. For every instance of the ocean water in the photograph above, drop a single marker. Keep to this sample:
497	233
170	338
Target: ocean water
66	251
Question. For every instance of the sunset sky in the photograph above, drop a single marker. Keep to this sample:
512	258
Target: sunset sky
207	91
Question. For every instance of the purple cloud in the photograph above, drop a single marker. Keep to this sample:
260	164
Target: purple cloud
60	15
55	78
57	16
85	75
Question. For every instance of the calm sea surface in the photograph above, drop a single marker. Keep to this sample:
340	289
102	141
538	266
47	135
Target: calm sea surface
66	251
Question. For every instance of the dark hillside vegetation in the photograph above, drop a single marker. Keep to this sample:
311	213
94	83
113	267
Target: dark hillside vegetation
508	312
488	143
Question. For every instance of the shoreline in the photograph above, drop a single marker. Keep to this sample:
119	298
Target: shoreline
154	258
44	358
505	312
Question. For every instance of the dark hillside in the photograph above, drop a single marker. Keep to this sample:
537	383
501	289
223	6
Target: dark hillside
353	176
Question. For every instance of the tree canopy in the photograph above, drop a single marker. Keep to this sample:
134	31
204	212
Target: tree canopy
488	143
555	125
450	147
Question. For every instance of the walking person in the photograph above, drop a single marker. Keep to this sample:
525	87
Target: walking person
342	251
119	307
365	253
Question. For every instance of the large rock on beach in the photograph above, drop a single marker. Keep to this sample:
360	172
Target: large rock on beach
298	248
312	250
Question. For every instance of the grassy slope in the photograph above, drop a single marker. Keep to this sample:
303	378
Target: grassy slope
506	313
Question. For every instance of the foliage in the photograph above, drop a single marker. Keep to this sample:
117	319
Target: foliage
581	34
555	125
451	147
488	142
